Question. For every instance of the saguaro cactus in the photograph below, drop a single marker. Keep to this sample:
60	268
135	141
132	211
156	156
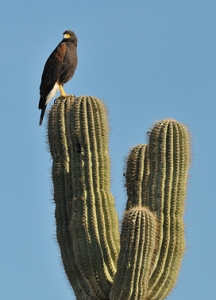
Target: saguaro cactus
144	261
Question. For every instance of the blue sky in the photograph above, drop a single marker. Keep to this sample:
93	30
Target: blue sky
148	60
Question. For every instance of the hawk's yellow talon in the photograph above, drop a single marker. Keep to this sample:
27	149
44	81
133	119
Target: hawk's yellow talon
62	92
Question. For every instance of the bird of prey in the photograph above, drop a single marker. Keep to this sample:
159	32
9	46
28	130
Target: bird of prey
59	69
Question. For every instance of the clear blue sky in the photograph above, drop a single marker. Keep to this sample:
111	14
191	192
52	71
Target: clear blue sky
148	60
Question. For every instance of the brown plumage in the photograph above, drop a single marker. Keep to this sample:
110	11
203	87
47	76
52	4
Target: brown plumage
59	69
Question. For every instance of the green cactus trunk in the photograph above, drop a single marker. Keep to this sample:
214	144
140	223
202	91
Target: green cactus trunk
87	224
152	236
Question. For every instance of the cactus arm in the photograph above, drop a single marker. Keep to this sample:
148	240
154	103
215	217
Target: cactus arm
169	157
134	267
137	171
156	177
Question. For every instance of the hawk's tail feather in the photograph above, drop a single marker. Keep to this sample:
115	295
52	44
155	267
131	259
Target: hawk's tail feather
42	115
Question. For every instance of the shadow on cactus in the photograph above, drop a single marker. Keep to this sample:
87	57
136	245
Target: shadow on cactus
143	261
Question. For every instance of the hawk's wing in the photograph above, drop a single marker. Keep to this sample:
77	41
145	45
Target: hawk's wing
51	72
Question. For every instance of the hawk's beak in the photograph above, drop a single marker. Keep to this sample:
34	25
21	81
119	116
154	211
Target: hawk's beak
66	36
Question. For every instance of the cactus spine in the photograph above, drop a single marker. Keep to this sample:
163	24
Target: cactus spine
152	236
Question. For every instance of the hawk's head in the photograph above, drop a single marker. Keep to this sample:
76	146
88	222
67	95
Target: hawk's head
70	35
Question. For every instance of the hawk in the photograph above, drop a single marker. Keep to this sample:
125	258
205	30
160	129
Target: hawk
59	69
